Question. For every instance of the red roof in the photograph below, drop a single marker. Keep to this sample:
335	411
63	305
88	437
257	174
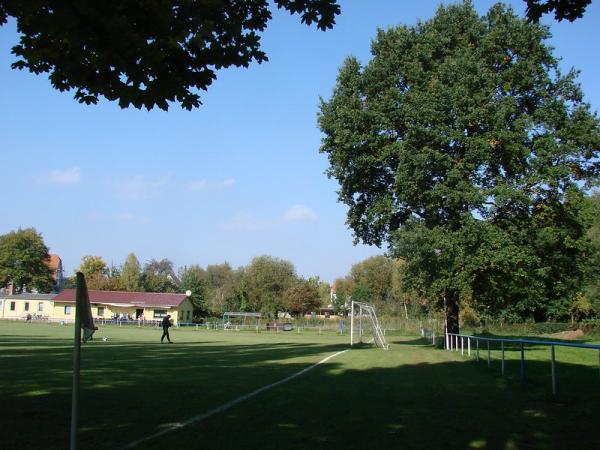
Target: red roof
126	298
54	262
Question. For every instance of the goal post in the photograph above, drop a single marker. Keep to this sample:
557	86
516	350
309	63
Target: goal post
364	325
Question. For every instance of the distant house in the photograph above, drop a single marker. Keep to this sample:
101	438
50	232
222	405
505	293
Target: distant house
55	264
134	305
20	305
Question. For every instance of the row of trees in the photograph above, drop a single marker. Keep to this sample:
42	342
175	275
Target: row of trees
267	284
271	285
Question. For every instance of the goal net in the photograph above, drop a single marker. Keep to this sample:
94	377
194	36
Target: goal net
364	325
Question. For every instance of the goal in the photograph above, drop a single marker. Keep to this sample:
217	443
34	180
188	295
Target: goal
364	325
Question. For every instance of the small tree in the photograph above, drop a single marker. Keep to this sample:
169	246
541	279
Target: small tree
95	270
193	279
159	276
131	275
302	298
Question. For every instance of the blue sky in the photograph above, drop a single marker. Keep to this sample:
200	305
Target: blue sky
237	178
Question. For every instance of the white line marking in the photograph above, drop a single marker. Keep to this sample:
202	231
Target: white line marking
226	406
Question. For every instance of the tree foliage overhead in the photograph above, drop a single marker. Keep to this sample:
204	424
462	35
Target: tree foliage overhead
563	9
24	261
461	141
145	53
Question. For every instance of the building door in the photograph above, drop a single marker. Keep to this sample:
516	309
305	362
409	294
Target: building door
138	313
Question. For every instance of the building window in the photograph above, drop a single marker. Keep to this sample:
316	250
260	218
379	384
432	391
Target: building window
13	306
100	311
40	306
26	306
67	310
159	313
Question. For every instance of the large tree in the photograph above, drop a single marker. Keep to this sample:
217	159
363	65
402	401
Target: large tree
145	53
24	262
462	146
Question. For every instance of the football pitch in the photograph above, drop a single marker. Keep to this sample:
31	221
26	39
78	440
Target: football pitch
194	394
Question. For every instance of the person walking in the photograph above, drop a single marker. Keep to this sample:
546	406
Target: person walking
166	323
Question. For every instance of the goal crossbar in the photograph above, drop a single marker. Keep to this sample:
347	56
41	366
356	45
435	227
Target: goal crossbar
362	319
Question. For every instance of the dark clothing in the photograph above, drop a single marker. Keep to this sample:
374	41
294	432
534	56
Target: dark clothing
166	323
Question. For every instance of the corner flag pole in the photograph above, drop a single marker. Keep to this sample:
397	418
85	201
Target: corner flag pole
83	317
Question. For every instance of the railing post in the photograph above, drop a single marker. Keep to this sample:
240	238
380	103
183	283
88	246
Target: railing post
489	355
522	363
502	366
451	342
457	342
469	346
477	349
553	359
447	341
462	346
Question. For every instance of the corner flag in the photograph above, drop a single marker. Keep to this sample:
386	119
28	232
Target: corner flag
83	319
84	309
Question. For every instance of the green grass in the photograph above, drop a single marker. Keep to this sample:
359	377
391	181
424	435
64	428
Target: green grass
412	396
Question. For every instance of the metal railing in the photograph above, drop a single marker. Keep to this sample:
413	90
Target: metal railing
456	342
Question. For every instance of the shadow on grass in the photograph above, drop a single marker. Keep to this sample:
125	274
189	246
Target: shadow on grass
132	389
128	388
420	341
442	405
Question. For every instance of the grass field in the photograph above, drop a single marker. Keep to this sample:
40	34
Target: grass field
412	396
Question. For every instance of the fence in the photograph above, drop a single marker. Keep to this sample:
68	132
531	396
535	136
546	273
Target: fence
452	344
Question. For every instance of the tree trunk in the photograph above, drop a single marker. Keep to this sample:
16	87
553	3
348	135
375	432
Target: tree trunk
451	310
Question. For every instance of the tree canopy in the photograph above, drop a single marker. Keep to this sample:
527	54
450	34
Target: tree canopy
24	261
463	147
143	53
